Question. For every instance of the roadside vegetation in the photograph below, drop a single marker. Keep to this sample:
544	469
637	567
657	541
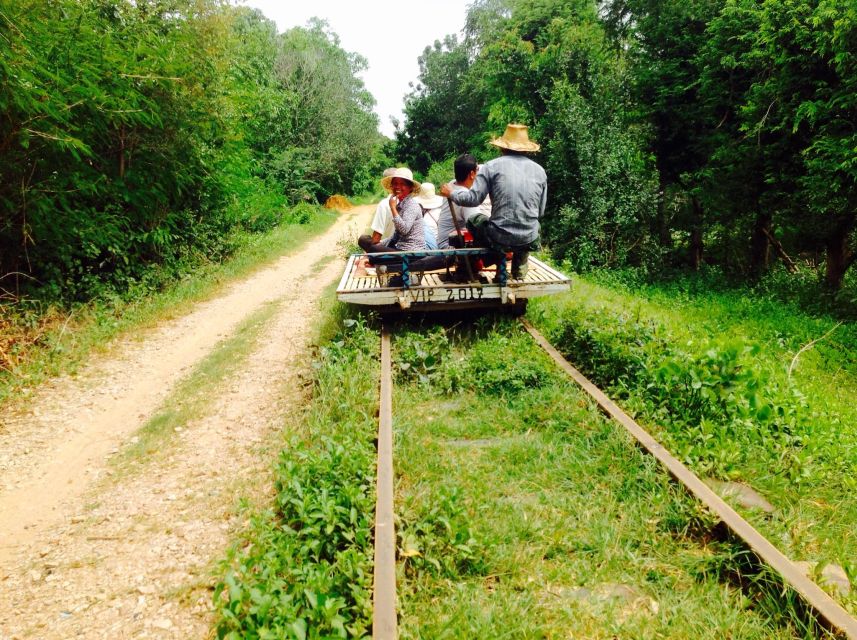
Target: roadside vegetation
40	341
739	385
303	569
141	142
719	132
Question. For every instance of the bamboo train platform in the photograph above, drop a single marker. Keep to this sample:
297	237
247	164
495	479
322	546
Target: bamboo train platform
405	287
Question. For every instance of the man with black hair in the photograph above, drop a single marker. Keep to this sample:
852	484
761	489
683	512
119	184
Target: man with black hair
518	189
465	168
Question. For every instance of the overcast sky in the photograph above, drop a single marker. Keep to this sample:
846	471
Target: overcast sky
390	35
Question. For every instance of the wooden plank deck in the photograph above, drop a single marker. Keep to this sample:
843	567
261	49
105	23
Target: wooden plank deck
359	278
361	284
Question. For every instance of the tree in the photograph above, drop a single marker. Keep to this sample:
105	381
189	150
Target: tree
444	113
787	138
127	125
328	113
103	151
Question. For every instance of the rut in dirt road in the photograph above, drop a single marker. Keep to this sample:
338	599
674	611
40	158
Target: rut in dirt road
84	554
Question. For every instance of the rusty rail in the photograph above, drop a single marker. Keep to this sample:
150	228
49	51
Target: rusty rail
824	606
384	622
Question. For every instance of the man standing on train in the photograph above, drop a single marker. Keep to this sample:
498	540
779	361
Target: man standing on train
518	188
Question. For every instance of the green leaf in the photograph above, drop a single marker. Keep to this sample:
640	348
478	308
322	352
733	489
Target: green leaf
299	628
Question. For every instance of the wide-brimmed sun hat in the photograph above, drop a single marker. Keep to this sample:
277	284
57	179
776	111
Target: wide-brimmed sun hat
428	198
516	138
405	174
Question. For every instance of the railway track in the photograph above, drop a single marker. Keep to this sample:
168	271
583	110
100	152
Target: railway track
824	608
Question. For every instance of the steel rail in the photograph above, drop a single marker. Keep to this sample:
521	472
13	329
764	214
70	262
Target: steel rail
824	606
384	622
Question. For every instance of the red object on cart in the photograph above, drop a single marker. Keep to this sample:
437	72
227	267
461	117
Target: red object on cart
464	240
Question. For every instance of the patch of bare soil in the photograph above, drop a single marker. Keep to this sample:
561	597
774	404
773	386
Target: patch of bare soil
87	553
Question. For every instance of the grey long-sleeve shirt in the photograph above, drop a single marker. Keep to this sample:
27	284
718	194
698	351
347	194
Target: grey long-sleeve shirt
409	225
519	191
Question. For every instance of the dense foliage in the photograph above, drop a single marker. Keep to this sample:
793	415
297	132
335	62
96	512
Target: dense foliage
716	131
145	132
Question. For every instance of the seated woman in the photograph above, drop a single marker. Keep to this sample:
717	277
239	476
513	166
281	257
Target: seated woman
407	214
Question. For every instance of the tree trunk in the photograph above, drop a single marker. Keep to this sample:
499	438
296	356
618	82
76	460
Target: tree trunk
840	256
778	247
695	252
760	245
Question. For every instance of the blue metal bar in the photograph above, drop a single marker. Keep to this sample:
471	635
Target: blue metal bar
502	274
406	274
396	255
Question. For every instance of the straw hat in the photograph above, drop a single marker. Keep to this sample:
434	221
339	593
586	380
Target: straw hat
400	172
516	139
428	198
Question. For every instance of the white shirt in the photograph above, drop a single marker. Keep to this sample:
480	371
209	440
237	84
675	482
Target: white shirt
383	221
431	217
485	207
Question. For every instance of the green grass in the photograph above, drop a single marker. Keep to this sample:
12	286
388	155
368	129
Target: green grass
369	198
58	341
522	509
657	348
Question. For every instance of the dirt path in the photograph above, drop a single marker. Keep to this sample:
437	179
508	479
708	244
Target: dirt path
85	554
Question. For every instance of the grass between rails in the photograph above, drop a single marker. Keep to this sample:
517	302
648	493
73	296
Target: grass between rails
707	372
55	341
524	514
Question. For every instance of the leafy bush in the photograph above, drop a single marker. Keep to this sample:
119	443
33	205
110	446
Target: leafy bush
438	540
306	571
715	407
441	172
301	213
122	169
419	356
309	574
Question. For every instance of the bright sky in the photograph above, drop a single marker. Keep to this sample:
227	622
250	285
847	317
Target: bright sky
390	35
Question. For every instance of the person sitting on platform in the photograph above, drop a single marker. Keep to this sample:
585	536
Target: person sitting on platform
431	204
518	190
406	213
465	167
382	225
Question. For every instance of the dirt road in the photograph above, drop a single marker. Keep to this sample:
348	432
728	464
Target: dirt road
89	549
